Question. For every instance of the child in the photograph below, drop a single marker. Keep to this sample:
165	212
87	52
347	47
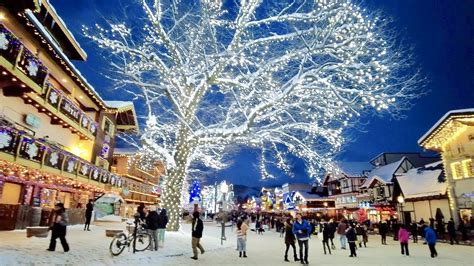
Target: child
403	237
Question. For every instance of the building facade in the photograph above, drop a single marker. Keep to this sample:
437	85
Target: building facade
56	133
453	137
141	183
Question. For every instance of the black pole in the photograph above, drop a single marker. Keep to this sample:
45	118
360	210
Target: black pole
135	233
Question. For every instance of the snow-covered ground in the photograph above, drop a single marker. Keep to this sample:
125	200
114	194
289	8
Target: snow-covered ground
92	248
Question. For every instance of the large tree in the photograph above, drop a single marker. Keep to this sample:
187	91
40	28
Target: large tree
287	78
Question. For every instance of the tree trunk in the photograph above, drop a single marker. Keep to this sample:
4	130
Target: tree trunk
174	184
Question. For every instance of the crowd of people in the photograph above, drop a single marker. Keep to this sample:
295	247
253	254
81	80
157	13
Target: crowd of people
294	230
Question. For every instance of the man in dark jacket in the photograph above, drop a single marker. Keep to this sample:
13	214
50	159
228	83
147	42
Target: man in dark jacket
383	229
89	209
152	226
197	228
352	238
452	232
327	231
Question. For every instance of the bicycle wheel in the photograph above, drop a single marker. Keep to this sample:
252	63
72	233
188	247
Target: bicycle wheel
118	244
143	241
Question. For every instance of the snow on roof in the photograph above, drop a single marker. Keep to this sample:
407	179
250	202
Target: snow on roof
309	196
384	173
125	151
65	27
118	104
418	183
440	121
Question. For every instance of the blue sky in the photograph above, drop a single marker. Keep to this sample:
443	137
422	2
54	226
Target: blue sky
441	33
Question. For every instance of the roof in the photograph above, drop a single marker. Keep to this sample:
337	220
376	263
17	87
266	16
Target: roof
127	118
442	125
310	197
383	173
80	53
125	151
419	182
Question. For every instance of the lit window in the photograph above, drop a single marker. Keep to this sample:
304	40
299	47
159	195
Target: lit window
467	165
457	171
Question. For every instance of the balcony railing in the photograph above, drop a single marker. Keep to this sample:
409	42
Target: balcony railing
21	58
21	146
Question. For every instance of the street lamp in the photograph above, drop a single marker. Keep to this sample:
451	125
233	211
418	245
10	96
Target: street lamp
224	190
401	200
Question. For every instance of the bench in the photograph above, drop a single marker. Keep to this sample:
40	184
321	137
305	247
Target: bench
37	231
112	232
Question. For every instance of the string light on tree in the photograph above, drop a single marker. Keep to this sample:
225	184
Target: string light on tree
285	81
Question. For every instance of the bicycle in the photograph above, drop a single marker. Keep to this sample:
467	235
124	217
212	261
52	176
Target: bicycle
139	239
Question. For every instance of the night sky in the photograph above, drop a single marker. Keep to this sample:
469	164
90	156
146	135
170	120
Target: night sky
440	31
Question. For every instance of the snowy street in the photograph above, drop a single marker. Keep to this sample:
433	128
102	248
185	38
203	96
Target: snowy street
92	248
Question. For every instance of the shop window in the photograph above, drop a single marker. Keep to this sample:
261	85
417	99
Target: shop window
467	165
456	170
10	193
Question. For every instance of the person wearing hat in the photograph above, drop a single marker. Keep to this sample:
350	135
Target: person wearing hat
197	228
58	227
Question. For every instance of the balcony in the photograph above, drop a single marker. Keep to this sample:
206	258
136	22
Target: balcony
18	147
28	70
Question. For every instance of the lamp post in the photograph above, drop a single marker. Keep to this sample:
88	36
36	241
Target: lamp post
224	189
401	200
326	208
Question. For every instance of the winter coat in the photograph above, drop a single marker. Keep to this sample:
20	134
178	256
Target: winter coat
89	209
197	228
152	220
403	235
351	235
162	219
383	228
359	230
302	230
341	229
332	227
451	228
289	236
326	233
430	235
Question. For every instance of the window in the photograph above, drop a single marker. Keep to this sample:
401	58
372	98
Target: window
108	126
467	165
456	169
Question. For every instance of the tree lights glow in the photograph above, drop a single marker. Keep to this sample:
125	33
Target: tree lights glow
286	78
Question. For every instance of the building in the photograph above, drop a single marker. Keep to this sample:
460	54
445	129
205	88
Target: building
344	187
376	193
141	182
56	132
421	193
453	137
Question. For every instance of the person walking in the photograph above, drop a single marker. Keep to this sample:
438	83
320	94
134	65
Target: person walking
332	227
341	231
197	228
430	237
162	222
383	229
242	229
352	238
152	227
302	229
58	227
403	237
414	232
452	232
89	209
326	236
289	239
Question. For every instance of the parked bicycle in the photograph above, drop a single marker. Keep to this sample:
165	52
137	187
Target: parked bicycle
138	238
